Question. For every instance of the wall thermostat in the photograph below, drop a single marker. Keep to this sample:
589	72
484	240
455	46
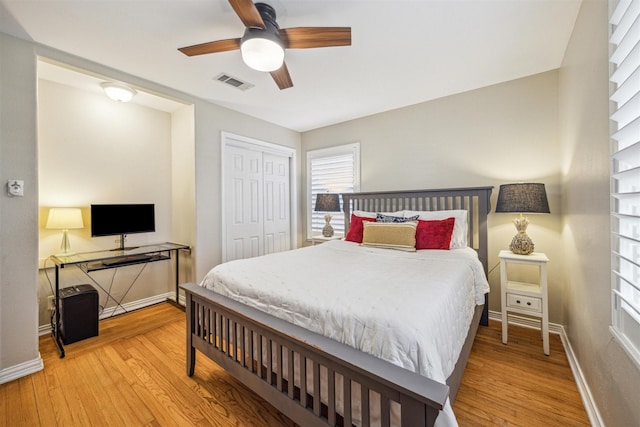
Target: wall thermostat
15	187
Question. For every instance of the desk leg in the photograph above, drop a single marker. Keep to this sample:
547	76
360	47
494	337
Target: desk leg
55	331
177	277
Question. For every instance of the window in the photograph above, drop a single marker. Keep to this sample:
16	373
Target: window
625	174
331	170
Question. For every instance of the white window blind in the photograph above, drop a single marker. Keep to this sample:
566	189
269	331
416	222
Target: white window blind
331	170
625	174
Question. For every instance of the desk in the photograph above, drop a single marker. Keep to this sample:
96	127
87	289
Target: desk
88	262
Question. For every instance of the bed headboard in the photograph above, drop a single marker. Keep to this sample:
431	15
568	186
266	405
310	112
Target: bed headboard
475	200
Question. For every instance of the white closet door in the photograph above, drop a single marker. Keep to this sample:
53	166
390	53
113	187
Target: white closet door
257	200
243	203
277	222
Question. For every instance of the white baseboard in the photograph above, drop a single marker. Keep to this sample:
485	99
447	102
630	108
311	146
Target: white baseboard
525	322
581	382
21	370
130	306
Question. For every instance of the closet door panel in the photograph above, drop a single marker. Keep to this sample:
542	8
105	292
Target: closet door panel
277	204
244	203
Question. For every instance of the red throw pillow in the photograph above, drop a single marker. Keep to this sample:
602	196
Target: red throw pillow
356	228
434	234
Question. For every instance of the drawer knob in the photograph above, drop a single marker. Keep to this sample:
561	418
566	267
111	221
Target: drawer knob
528	303
518	301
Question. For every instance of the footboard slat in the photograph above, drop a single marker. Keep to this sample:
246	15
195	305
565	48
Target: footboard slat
346	386
252	349
303	380
385	411
260	355
279	354
269	360
280	371
364	399
234	341
243	347
316	388
331	397
290	373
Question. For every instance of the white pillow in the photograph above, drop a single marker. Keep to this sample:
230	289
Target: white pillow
460	227
365	214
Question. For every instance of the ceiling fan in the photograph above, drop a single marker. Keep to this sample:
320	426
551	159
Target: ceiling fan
263	43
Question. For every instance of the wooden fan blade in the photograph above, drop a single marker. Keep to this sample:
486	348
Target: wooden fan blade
309	37
211	47
248	13
282	78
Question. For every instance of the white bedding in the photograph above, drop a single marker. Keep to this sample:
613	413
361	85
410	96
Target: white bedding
412	309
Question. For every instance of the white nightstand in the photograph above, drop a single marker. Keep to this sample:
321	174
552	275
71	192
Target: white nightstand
525	298
315	240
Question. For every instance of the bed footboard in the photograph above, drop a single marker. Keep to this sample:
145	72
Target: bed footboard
308	377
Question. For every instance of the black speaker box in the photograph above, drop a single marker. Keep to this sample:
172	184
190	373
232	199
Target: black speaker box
78	313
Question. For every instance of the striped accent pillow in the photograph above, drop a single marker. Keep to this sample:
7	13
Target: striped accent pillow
401	236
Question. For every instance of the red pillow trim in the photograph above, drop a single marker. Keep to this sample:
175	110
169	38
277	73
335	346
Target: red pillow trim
356	228
434	234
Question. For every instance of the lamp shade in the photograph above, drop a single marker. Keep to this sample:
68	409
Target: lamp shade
522	198
327	202
64	218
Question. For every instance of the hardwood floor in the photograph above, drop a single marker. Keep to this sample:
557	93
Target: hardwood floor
133	374
516	384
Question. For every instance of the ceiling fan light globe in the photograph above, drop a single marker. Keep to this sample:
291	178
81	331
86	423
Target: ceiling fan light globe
262	54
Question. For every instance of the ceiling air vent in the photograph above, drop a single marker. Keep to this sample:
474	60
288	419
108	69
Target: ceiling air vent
232	81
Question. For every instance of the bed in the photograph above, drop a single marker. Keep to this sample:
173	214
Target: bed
328	372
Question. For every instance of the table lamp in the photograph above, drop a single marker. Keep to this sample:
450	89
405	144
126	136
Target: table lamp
522	198
65	219
327	202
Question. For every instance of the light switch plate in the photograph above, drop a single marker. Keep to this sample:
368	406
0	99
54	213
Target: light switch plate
15	187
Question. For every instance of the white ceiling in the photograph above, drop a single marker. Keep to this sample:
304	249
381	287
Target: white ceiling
403	52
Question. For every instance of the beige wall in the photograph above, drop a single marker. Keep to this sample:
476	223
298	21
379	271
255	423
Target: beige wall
491	136
18	215
94	150
183	185
18	160
211	122
613	378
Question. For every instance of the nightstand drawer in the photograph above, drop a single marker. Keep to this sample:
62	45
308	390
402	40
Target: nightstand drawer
525	303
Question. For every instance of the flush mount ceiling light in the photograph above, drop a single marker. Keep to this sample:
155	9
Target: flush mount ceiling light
262	48
118	92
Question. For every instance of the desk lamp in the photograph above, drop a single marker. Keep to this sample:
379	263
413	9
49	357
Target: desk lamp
65	219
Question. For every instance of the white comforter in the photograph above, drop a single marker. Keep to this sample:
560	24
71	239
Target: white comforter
412	309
